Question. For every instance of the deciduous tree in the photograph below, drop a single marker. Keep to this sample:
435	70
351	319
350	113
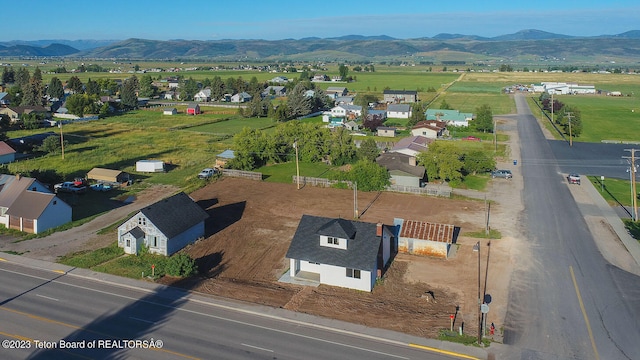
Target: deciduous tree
442	161
484	119
368	149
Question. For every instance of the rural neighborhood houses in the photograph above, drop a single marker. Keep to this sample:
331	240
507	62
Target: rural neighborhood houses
29	206
170	111
428	129
399	111
450	117
412	145
403	169
340	252
400	96
7	153
165	227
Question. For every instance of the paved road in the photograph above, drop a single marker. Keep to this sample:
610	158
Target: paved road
566	301
48	306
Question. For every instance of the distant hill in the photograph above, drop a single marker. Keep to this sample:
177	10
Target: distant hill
46	51
76	44
530	44
531	34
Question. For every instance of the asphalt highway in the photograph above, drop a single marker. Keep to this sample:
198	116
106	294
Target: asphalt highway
565	301
44	315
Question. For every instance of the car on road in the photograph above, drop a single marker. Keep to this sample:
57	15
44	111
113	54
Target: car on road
501	174
206	173
573	178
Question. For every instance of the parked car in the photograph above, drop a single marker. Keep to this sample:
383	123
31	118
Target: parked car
501	174
207	173
70	187
101	187
573	178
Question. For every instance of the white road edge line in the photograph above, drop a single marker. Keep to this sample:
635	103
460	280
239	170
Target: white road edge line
143	320
256	347
46	297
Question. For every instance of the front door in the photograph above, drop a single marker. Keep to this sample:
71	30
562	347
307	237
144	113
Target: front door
130	245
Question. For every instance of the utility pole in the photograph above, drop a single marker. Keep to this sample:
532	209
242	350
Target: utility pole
552	109
476	247
295	145
569	114
61	139
632	176
356	215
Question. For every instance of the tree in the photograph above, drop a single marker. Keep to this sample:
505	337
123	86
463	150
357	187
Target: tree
442	161
22	77
368	150
146	86
478	161
128	96
30	121
55	89
369	176
444	105
51	144
343	70
249	145
342	149
372	122
32	93
576	120
189	89
217	88
417	114
76	104
75	85
365	99
8	75
298	102
37	74
93	88
484	119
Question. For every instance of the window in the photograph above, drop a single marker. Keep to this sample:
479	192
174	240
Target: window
333	240
353	273
153	240
128	243
142	221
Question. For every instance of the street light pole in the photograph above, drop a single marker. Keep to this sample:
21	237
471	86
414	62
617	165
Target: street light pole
477	247
61	139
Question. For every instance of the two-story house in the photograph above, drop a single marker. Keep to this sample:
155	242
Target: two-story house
340	252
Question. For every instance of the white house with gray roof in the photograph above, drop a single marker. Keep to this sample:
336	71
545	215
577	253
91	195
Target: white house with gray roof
340	252
165	227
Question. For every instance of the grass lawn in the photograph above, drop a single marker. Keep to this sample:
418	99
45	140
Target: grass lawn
283	173
88	259
614	191
606	117
233	126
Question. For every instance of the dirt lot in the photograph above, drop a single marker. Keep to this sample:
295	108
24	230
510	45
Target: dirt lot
252	224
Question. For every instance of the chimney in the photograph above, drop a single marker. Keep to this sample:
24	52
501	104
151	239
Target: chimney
379	229
412	160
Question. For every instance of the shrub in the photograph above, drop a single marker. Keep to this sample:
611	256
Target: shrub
181	265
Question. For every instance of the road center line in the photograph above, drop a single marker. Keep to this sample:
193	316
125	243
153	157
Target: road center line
46	297
256	347
584	314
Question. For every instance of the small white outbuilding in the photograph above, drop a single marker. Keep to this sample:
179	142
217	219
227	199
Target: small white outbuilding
149	166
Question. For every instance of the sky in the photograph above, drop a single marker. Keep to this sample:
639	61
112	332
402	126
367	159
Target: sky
285	19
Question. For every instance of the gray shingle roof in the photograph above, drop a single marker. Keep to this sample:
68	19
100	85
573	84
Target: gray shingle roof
362	246
174	214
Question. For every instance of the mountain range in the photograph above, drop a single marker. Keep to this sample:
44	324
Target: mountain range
522	44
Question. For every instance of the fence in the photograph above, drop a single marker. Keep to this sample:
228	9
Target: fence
320	182
432	190
243	174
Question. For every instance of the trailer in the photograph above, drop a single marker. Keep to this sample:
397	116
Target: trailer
149	166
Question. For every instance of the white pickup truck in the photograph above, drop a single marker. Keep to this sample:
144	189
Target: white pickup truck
70	187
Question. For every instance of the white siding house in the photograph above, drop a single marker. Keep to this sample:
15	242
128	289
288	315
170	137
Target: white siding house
165	227
340	252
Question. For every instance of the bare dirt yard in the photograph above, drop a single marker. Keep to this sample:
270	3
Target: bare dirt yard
252	224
